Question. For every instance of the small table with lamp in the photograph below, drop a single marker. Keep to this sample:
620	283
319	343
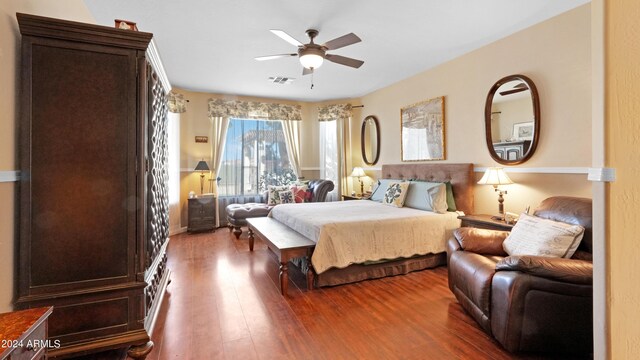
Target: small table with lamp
496	176
493	176
359	173
202	212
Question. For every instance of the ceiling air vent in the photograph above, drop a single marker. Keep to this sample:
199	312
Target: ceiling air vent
280	80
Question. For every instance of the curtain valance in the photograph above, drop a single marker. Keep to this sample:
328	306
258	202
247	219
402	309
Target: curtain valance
176	102
253	110
334	112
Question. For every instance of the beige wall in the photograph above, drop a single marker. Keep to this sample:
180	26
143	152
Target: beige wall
556	55
9	58
622	128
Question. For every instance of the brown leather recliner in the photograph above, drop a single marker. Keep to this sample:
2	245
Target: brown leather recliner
528	303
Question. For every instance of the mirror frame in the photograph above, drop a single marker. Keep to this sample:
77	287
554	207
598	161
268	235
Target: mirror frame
536	119
362	143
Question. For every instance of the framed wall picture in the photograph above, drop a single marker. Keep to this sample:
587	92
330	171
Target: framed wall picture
523	130
423	130
202	139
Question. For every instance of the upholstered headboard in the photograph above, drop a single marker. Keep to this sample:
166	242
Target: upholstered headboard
460	175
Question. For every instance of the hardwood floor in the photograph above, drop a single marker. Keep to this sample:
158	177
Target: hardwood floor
224	303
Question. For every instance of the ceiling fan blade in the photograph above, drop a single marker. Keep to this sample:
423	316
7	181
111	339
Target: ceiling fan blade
286	37
306	71
342	41
343	60
271	57
513	91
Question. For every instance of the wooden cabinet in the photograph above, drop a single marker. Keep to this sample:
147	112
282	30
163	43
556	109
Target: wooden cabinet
512	150
482	221
93	190
202	214
23	334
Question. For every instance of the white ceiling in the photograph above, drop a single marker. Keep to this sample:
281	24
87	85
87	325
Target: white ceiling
210	45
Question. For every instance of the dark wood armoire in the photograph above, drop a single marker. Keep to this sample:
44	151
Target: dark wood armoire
93	189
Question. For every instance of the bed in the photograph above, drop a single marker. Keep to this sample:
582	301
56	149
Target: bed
359	240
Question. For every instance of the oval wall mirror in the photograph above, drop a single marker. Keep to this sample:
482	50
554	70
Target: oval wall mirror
370	140
512	120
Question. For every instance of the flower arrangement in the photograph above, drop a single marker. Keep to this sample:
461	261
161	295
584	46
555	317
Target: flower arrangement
278	177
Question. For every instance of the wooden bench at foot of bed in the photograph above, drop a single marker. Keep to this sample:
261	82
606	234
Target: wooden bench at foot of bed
285	242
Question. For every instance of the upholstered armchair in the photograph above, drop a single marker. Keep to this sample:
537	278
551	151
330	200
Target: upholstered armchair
237	214
528	303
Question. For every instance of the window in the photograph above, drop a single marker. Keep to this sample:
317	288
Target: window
255	156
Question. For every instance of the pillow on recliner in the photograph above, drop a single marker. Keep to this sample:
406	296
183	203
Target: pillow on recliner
542	237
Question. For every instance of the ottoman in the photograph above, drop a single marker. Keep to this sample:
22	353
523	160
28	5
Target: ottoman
237	215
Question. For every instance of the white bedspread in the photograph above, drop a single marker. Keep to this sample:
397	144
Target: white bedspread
352	232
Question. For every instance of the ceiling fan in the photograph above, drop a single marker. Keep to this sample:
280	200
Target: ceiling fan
312	55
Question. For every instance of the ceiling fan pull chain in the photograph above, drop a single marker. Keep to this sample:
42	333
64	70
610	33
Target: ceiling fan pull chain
311	78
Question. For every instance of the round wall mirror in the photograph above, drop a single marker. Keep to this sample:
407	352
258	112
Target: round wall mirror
512	120
370	140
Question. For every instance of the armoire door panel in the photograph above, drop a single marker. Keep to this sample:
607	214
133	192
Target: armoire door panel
95	316
82	182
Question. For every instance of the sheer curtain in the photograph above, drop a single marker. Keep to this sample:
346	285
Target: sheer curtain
335	135
219	126
329	159
291	130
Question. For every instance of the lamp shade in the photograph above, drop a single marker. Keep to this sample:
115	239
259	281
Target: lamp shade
311	61
202	166
495	176
358	172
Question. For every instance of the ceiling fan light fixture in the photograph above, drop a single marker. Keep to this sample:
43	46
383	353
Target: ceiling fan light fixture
311	61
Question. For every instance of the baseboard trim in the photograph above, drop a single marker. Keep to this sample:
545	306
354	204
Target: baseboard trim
179	231
541	170
150	321
602	174
9	176
532	170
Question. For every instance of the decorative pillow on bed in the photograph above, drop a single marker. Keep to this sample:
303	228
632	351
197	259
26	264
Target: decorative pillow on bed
429	196
451	201
395	194
273	191
286	197
383	184
542	237
299	192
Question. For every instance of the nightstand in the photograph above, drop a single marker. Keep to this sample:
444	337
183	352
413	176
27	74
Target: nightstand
352	197
202	214
483	221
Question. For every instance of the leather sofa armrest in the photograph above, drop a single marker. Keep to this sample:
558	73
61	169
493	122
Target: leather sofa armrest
320	188
561	269
481	241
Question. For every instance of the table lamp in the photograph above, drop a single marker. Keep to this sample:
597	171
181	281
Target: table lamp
359	173
496	176
202	167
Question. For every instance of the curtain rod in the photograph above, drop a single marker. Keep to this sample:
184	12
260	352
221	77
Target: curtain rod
357	106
